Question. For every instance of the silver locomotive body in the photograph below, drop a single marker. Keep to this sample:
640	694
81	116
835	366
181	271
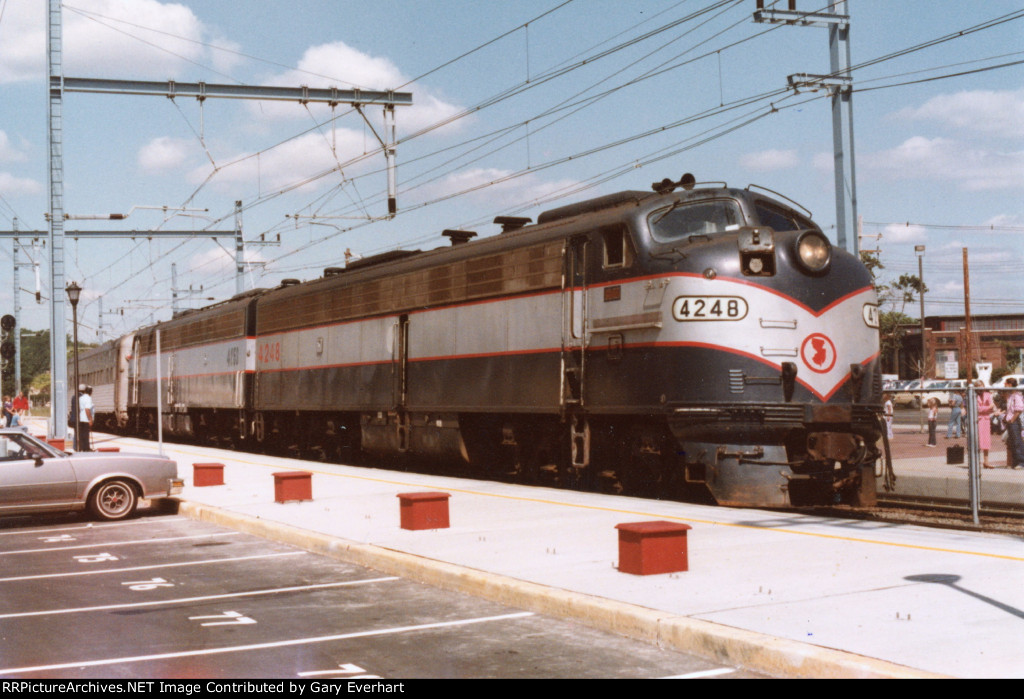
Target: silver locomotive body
706	339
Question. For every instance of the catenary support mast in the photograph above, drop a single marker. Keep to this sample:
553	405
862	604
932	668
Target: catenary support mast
839	83
58	84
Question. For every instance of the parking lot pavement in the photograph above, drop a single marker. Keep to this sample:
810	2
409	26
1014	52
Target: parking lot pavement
788	593
163	596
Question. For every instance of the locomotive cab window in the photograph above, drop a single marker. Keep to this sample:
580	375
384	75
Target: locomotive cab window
704	218
618	252
779	219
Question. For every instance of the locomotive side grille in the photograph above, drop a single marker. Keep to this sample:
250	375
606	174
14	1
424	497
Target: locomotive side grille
531	268
485	275
221	326
736	382
769	414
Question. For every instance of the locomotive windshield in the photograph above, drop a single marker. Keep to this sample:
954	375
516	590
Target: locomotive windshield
780	219
700	218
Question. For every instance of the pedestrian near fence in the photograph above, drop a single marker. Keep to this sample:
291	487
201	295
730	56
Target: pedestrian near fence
933	420
956	404
1014	440
986	407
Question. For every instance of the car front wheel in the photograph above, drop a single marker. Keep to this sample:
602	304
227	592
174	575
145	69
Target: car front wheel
113	500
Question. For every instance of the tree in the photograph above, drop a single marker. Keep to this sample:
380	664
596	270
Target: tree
893	322
907	288
35	364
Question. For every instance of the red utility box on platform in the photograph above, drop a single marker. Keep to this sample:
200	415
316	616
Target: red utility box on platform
293	485
204	474
424	510
650	548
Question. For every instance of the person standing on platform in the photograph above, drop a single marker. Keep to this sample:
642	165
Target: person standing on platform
986	406
933	419
888	415
1014	440
21	407
85	414
956	403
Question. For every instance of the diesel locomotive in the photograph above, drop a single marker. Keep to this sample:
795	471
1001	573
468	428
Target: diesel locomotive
694	337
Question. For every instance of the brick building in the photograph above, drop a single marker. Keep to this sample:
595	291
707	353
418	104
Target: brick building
998	339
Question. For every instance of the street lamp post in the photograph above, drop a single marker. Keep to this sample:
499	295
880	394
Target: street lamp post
919	249
74	293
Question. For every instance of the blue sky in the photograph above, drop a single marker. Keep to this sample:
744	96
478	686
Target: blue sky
518	107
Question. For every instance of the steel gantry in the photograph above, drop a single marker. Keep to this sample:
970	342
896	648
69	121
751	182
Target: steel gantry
839	84
59	84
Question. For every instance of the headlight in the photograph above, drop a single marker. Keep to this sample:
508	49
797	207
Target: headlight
813	251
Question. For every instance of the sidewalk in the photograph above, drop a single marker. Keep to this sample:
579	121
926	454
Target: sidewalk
783	593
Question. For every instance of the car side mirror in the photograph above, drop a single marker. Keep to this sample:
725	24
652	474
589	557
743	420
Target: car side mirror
39	461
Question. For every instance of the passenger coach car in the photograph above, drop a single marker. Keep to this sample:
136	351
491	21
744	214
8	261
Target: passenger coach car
693	337
35	478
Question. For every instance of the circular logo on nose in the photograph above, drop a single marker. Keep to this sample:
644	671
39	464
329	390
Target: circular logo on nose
818	353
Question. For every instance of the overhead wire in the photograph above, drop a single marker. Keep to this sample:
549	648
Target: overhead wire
459	193
308	180
568	158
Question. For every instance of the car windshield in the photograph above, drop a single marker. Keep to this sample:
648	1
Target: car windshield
20	446
698	218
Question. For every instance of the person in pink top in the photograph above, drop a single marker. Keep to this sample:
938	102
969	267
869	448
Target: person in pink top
986	407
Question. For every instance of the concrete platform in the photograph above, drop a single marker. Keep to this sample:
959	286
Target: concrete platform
783	593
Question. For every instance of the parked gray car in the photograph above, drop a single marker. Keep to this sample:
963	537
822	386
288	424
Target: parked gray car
35	477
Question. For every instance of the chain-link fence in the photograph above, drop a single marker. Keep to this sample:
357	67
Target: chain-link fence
946	451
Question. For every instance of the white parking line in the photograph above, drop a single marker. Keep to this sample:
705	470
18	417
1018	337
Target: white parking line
204	598
155	565
77	527
263	646
110	544
702	673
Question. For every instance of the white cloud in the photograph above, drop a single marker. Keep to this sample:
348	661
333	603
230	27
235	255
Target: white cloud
770	160
109	36
339	65
287	165
11	185
217	261
898	233
320	66
162	154
10	153
1004	220
969	167
23	42
997	113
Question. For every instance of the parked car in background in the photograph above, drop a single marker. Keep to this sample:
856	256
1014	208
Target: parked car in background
941	390
1001	383
907	396
36	478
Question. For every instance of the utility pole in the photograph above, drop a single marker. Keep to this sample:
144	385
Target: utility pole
967	317
839	84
